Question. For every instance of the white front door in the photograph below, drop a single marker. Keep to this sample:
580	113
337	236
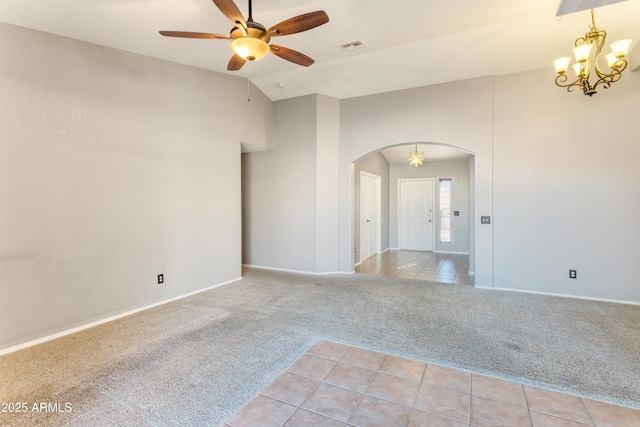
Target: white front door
416	214
370	224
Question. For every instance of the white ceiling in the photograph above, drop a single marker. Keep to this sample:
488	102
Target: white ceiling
409	43
431	152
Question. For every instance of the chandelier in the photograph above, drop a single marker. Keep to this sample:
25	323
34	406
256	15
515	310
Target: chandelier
415	159
585	62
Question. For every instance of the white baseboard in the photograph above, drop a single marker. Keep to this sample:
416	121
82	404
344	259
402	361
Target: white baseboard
386	250
108	319
286	270
451	252
615	301
434	251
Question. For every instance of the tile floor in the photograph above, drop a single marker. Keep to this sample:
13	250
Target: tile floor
339	385
437	267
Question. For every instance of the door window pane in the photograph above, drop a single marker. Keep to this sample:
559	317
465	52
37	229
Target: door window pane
445	211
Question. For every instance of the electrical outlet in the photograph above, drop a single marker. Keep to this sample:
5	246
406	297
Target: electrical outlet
485	220
160	278
573	274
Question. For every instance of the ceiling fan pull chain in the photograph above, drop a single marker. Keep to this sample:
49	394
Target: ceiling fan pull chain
248	95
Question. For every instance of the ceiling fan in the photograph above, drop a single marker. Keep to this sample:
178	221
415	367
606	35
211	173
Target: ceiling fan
250	39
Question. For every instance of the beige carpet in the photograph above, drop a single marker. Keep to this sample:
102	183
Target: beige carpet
198	360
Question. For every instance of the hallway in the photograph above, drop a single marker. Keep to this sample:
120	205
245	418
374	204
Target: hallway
436	267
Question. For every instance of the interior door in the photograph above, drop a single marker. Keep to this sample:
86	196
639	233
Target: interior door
416	214
369	215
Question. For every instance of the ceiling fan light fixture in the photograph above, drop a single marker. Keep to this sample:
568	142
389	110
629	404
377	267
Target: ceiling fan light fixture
250	48
250	39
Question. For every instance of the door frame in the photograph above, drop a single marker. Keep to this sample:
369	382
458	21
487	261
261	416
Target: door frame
433	204
378	183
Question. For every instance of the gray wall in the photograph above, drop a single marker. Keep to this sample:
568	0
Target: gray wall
279	192
114	168
290	194
567	187
328	187
458	172
376	164
556	171
458	114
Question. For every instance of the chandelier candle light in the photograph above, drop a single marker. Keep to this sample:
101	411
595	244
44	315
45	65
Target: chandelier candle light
415	159
585	63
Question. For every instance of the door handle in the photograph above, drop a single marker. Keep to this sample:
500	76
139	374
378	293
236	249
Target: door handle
368	221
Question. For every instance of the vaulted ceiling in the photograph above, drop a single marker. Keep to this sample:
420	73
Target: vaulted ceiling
407	43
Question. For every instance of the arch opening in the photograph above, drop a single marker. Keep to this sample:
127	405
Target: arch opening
444	163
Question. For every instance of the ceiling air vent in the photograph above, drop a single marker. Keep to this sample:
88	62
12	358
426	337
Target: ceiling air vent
358	44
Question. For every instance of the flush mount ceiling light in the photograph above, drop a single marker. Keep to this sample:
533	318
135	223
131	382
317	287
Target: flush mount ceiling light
586	62
415	159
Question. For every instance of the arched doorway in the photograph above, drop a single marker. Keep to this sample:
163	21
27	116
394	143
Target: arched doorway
449	255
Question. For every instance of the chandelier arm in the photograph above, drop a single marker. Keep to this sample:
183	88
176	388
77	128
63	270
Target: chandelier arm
561	78
581	40
614	76
598	36
584	67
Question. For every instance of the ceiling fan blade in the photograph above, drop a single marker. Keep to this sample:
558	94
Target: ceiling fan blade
231	11
300	23
190	35
291	55
236	63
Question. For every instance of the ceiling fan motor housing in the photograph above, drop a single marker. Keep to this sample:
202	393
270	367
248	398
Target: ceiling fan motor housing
252	41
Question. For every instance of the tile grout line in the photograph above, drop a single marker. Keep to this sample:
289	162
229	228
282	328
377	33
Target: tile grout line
415	400
593	421
407	376
362	394
526	400
320	381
